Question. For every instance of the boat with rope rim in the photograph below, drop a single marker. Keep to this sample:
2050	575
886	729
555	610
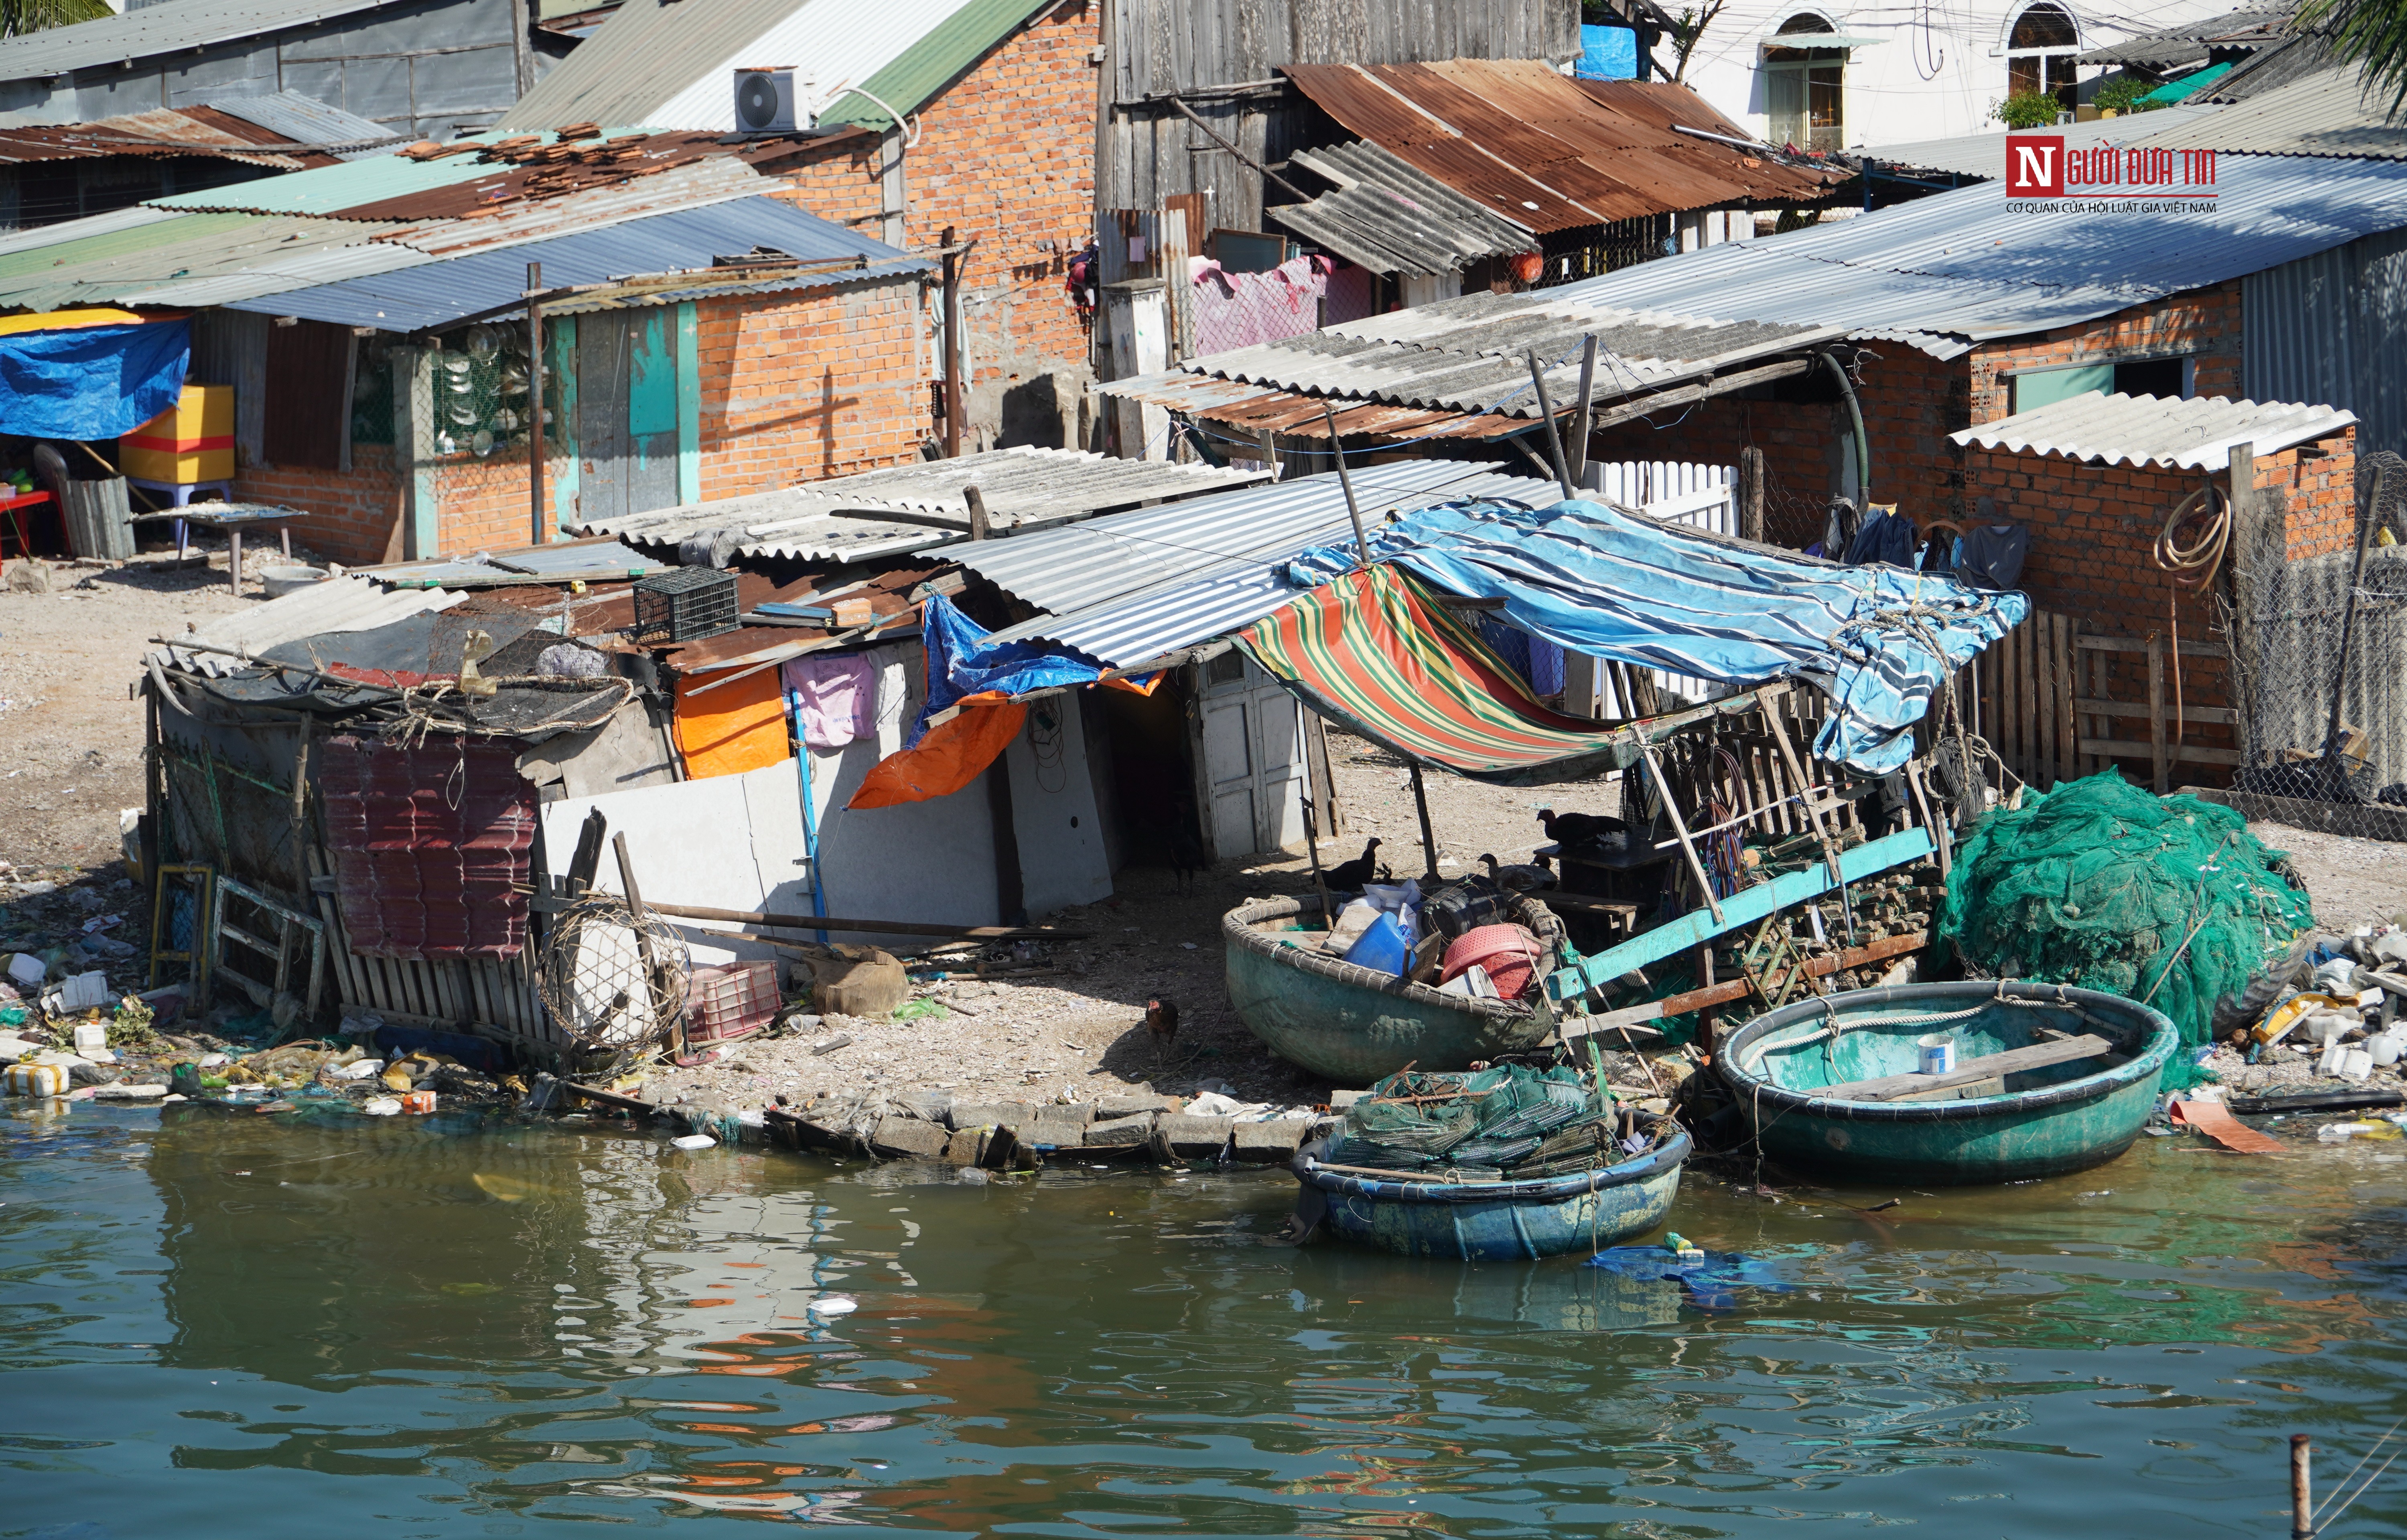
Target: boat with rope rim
2046	1080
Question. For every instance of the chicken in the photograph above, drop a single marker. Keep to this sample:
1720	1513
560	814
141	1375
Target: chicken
1161	1020
1348	877
1578	829
1186	850
1520	878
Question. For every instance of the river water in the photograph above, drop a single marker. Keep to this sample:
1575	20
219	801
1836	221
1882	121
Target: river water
229	1324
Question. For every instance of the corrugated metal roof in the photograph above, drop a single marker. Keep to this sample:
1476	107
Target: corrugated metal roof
1466	356
346	603
299	120
1391	216
2193	434
172	26
104	269
1023	487
1547	151
911	79
91	225
2330	113
439	290
1131	587
1984	155
328	190
2248	27
671	64
161	131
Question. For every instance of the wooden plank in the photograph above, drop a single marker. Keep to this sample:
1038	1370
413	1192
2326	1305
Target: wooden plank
2140	644
2014	1060
2097	706
2043	658
2160	780
1994	1086
2027	697
1738	989
2068	752
1744	906
2161	754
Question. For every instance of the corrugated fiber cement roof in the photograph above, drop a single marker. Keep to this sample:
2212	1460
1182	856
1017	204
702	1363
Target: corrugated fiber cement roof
2196	433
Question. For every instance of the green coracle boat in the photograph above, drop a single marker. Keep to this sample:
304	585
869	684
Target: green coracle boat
2059	1100
1356	1026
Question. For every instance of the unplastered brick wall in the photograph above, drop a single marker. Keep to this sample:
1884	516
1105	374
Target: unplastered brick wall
1005	156
2093	526
797	389
354	517
2203	323
487	504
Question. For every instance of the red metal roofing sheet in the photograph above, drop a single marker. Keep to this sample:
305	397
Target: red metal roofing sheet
430	844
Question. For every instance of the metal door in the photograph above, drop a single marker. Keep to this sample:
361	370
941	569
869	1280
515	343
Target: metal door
1254	769
626	412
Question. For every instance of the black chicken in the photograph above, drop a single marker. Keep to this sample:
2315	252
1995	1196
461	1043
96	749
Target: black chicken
1579	828
1348	877
1161	1019
1186	850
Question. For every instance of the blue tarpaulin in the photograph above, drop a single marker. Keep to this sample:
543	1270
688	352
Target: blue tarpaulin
962	662
91	382
1620	586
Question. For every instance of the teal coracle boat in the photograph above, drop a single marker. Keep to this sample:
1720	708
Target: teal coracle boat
1355	1026
2037	1118
1497	1221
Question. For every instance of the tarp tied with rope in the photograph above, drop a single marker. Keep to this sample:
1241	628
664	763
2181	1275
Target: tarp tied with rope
1375	651
1878	641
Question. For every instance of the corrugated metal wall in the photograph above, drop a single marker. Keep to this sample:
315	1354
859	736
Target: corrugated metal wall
1162	46
2333	328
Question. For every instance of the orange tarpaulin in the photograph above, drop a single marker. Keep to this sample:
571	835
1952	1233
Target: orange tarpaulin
953	755
738	727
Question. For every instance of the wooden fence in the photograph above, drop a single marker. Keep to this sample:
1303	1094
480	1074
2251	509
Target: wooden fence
2058	704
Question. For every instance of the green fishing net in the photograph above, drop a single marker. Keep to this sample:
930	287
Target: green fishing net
2167	900
1495	1118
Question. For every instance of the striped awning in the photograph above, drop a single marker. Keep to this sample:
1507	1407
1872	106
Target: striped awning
1374	651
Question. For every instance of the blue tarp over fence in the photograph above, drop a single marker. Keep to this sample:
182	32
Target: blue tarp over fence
91	382
1877	640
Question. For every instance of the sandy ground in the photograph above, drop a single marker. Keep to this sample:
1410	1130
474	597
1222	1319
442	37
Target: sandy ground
70	729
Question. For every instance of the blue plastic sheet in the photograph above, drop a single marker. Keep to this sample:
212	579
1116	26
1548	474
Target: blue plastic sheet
962	662
1877	640
91	382
1711	1281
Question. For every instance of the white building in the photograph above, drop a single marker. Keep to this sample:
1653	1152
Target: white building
1877	74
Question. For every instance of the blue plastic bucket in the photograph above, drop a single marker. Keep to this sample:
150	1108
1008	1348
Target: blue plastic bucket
1382	948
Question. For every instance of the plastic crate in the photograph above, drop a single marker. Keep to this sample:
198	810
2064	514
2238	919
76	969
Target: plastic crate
731	1000
685	605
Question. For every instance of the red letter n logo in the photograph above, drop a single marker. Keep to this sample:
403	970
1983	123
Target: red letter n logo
2035	165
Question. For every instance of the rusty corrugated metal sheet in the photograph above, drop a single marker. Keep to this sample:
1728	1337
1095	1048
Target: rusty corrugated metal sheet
1547	151
163	130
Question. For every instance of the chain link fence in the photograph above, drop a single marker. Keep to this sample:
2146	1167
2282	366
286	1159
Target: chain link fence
2317	621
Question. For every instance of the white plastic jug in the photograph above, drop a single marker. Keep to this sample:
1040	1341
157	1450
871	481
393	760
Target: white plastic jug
2385	1046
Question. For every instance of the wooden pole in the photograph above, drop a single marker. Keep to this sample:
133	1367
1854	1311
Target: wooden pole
2302	1507
1270	451
652	979
1553	439
952	348
2157	712
1311	848
1687	846
1750	493
1429	837
1353	509
976	501
1577	453
534	402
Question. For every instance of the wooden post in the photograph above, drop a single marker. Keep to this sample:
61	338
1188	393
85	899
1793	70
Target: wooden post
1353	509
1577	450
952	350
2246	549
1680	829
1546	417
652	979
979	527
1429	837
534	404
1706	1016
2302	1507
2156	711
1750	493
1270	451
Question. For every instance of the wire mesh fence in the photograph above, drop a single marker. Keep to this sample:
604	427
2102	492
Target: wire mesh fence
2316	625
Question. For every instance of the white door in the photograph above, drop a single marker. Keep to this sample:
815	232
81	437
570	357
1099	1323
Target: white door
1228	770
1255	772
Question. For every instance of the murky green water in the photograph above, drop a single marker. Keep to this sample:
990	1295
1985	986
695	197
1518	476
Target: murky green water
214	1325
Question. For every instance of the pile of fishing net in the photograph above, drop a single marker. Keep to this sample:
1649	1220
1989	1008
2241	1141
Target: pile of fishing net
1530	1123
2166	900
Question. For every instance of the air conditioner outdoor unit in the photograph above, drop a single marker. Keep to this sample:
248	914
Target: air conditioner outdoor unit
765	101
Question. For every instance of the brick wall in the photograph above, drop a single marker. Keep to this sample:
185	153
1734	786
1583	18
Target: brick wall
355	515
2205	322
1006	157
800	389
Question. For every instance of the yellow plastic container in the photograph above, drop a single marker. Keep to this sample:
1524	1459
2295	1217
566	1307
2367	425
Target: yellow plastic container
34	1079
192	441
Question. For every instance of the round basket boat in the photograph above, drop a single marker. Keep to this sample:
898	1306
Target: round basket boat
1355	1025
1834	1083
1583	1211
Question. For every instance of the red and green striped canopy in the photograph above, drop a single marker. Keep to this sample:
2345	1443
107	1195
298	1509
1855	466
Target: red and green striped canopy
1374	651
